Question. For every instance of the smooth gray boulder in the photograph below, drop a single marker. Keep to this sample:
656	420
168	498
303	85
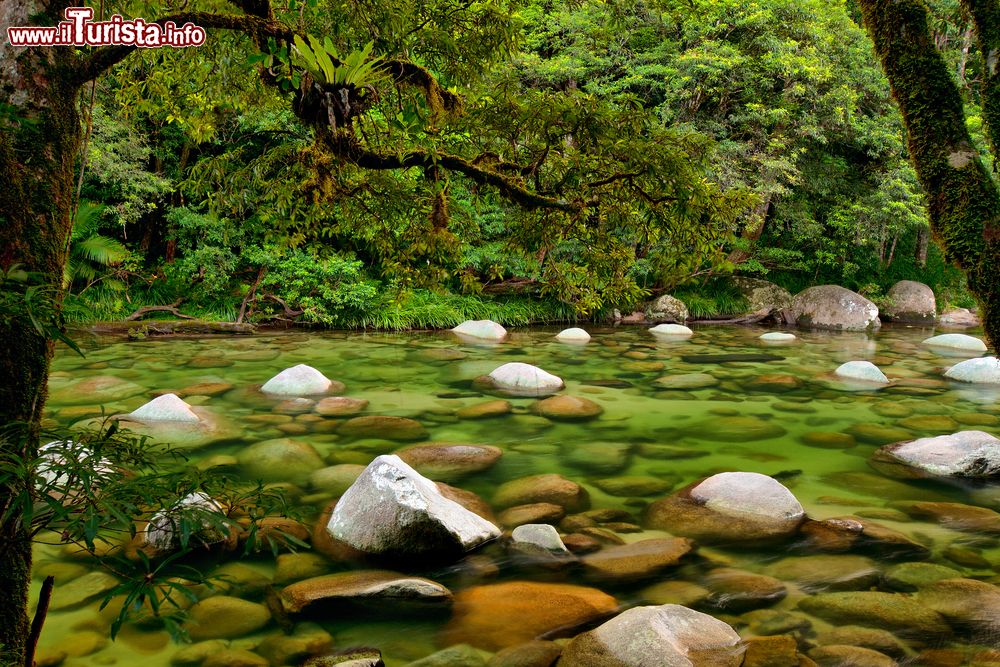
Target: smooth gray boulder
165	408
573	335
301	380
955	342
392	510
665	636
540	535
525	380
981	370
678	330
833	307
667	309
481	329
959	318
861	371
962	454
762	294
911	302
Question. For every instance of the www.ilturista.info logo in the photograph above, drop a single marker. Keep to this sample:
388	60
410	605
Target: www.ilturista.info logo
80	30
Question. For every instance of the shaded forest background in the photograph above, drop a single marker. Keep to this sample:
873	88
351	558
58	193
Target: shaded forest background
757	139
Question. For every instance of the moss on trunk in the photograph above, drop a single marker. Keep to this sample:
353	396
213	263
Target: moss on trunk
963	201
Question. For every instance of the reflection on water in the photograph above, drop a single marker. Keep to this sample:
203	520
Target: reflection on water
673	411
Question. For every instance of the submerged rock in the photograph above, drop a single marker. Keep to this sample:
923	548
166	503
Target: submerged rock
163	531
833	307
447	462
394	511
568	408
895	612
280	459
573	335
340	406
640	560
911	302
545	488
522	379
500	615
224	617
95	390
664	636
778	337
482	329
732	507
383	426
381	591
733	590
736	429
981	370
677	330
862	371
966	603
301	380
962	454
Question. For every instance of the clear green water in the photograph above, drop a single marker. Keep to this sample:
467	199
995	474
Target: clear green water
400	375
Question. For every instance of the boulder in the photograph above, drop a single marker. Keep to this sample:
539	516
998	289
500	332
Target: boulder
208	428
914	576
629	563
733	590
911	302
499	615
165	408
280	459
545	488
301	380
962	454
730	507
839	655
956	342
665	636
762	295
833	307
529	654
384	427
446	462
532	513
672	330
966	603
56	472
687	381
833	572
981	370
778	337
481	329
959	318
335	479
162	531
524	380
567	408
667	309
460	655
98	390
573	335
894	612
539	544
394	511
487	410
382	591
861	371
736	429
340	406
224	617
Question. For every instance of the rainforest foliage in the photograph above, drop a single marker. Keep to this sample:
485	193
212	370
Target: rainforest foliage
645	147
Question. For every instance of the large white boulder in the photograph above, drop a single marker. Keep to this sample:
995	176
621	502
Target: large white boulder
392	510
862	371
911	302
663	636
833	307
962	454
748	494
64	464
484	329
981	370
165	408
525	379
301	380
778	337
573	335
678	330
956	342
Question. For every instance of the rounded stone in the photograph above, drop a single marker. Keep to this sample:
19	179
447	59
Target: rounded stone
340	406
481	329
383	427
278	460
545	488
335	479
894	612
386	592
525	380
687	381
224	617
675	330
911	302
956	342
778	337
736	429
833	572
450	462
533	513
637	561
733	590
301	380
568	408
981	370
573	335
828	440
833	307
667	308
485	410
861	371
838	656
962	454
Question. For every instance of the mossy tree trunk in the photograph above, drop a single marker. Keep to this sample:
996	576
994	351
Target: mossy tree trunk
39	142
962	197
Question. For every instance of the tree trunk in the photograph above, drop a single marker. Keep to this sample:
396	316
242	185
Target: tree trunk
963	201
923	237
38	149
